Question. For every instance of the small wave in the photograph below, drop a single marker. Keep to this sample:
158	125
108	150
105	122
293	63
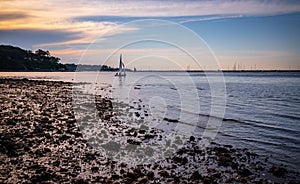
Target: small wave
261	141
258	124
252	123
287	116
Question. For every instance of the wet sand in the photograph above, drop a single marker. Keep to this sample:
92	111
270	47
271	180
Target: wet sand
42	142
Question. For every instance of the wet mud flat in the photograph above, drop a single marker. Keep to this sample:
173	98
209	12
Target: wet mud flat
42	142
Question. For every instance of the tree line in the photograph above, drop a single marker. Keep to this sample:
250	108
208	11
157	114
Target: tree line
17	59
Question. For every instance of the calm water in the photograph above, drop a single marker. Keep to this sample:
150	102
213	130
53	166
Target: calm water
262	110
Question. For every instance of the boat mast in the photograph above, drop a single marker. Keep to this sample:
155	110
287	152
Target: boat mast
121	68
121	64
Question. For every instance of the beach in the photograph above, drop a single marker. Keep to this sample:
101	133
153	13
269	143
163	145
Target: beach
41	141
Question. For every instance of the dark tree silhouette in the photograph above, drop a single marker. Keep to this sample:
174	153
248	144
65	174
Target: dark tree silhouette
42	53
17	59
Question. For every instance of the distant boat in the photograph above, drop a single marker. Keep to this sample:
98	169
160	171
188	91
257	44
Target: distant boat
121	71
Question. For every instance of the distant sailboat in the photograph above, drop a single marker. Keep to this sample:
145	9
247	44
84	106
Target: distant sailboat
121	71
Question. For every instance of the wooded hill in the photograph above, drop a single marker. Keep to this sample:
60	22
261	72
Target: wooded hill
17	59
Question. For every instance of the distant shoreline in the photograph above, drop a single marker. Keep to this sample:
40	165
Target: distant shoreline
234	71
190	71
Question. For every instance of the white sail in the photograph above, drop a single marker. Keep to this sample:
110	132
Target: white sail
121	68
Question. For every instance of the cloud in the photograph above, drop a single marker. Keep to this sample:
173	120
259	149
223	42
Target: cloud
80	22
13	16
81	16
178	19
175	8
48	14
27	38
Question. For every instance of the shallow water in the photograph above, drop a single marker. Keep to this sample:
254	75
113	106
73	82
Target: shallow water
261	112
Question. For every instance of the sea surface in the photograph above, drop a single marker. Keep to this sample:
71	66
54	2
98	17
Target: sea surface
255	110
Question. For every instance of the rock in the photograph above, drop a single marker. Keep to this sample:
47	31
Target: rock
155	167
73	174
131	175
171	120
95	169
11	122
90	156
59	131
244	172
77	168
176	179
71	142
44	119
47	150
134	142
115	176
71	121
42	177
39	153
56	163
81	181
180	160
143	180
77	134
142	131
122	171
8	146
14	162
192	138
149	136
123	165
150	174
196	176
228	146
208	180
278	171
137	114
64	137
38	129
63	170
164	173
135	134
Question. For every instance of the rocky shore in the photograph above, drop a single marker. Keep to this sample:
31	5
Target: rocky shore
41	142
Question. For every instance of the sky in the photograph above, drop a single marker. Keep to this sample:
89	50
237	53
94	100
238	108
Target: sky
247	34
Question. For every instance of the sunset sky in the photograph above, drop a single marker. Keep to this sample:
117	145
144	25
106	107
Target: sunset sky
252	34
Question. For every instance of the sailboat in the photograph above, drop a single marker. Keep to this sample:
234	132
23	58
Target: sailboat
121	71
